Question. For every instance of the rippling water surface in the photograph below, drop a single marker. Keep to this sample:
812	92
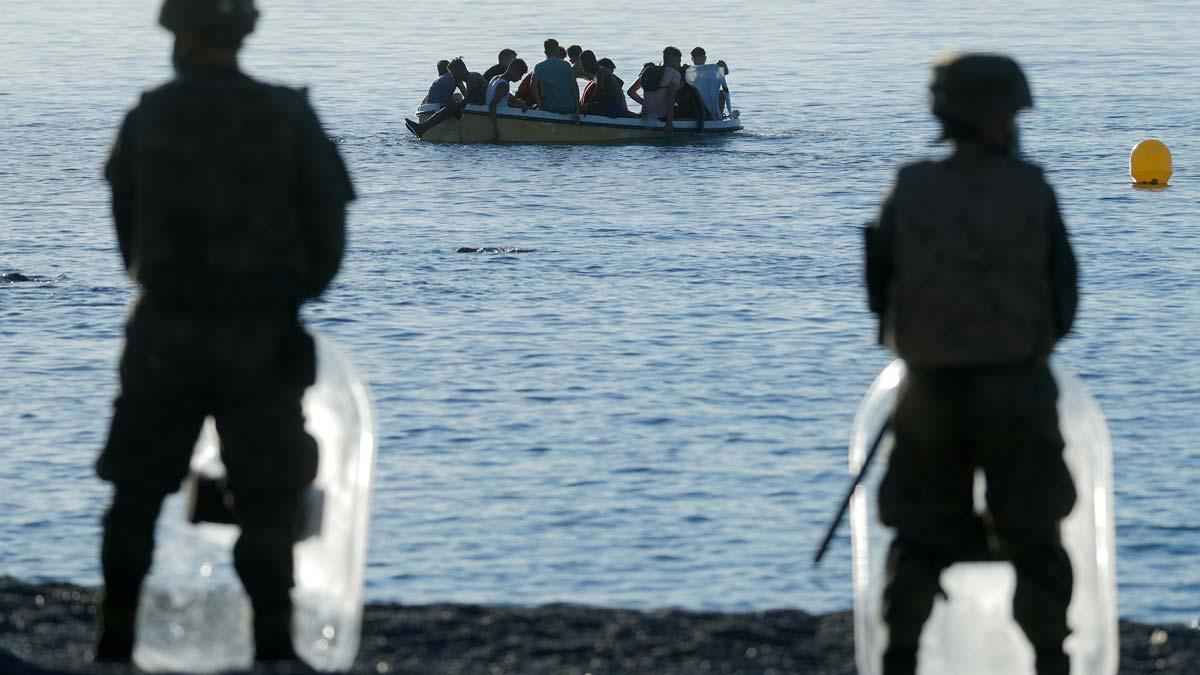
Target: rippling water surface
652	407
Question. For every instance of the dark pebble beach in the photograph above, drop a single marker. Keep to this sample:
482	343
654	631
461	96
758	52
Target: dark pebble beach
47	628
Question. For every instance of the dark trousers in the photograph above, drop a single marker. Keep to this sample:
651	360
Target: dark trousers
248	371
947	425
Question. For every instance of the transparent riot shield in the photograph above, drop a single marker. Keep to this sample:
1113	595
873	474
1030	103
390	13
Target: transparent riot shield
971	630
194	615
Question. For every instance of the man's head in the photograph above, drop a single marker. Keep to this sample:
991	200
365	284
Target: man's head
221	23
207	31
672	57
562	53
699	58
588	60
977	97
458	69
516	70
506	56
573	53
551	47
443	67
607	63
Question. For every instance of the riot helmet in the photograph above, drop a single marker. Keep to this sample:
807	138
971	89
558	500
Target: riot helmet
223	21
971	88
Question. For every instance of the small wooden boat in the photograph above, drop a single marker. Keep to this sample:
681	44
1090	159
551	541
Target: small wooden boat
535	126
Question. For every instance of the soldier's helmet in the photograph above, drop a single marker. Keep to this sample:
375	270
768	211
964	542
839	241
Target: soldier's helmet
224	21
977	87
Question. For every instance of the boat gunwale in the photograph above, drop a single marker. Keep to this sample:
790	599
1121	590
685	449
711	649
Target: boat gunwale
631	123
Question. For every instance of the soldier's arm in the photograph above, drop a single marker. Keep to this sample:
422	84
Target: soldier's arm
119	174
879	236
325	189
1063	271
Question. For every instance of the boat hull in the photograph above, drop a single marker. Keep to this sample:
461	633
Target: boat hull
475	126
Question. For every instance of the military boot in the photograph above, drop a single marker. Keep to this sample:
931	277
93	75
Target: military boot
899	661
1052	661
114	634
273	636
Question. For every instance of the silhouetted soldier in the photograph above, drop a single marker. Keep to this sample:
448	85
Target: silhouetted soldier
229	202
974	281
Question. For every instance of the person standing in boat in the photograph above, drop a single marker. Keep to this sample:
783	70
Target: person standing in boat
971	273
554	87
605	94
503	60
498	93
661	85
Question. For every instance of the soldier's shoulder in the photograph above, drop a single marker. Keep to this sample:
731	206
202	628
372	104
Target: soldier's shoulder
293	98
164	92
1022	165
915	171
1028	171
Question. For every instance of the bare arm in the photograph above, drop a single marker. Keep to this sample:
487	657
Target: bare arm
575	97
670	126
633	91
535	87
501	94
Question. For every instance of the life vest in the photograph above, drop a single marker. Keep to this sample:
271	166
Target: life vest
971	282
217	162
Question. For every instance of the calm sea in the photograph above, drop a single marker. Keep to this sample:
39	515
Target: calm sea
652	407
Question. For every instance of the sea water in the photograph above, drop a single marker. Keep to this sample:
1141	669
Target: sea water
652	407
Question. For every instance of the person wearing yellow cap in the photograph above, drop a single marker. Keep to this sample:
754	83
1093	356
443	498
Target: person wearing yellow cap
971	273
229	203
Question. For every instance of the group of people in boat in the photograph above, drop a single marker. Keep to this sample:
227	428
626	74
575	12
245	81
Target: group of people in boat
668	91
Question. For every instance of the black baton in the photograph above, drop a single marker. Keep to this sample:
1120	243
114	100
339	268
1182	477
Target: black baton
887	426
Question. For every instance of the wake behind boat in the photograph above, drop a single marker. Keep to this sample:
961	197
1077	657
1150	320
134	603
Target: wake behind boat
536	126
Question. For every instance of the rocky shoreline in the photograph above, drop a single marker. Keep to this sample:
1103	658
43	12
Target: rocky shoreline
47	629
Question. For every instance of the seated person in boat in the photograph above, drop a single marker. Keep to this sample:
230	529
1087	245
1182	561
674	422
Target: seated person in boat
709	84
473	88
475	84
573	54
554	87
441	92
605	94
525	91
725	103
688	104
506	56
498	93
661	85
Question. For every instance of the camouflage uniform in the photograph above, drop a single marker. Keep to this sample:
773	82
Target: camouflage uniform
972	275
229	202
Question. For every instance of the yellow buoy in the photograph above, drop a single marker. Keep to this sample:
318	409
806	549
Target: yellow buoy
1150	163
